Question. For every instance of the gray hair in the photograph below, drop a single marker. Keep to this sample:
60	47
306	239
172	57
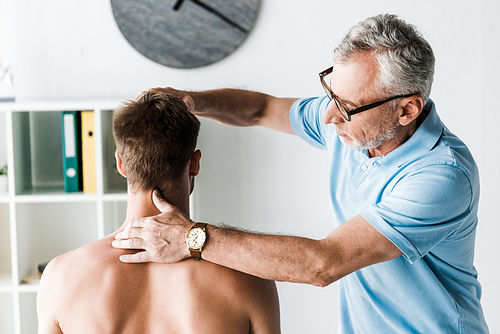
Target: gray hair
405	58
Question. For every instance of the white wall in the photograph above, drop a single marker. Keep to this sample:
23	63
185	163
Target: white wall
68	49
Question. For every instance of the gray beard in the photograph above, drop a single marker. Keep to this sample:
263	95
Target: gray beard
370	144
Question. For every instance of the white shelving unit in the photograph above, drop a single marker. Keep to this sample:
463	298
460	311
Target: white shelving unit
38	220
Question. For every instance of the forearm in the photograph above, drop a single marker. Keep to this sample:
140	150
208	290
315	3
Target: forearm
230	106
353	245
273	257
243	108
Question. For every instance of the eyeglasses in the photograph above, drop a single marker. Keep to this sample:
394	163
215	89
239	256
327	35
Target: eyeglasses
344	111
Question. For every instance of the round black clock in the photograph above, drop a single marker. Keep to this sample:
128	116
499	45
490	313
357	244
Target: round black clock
185	33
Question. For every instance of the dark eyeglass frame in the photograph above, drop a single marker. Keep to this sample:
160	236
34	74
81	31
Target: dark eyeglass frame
344	111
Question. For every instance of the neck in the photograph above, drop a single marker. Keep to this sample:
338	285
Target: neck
140	203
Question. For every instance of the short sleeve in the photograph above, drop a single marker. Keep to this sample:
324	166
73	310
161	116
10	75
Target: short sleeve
423	209
305	118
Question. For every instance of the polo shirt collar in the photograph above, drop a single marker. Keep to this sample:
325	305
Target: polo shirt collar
421	142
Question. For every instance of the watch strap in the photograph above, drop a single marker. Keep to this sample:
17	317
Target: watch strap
196	253
200	225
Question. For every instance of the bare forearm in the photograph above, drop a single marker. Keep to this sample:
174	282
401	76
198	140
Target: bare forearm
353	245
230	106
273	257
243	108
237	107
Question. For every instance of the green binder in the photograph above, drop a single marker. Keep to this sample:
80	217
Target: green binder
71	151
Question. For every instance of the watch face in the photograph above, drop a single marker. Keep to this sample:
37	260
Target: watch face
196	238
185	33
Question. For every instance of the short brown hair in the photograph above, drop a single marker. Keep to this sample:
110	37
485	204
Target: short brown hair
155	137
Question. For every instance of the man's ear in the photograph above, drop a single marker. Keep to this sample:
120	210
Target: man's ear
412	107
194	164
119	165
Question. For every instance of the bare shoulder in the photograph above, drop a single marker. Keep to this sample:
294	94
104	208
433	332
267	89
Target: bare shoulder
75	263
52	292
61	269
71	280
70	272
55	272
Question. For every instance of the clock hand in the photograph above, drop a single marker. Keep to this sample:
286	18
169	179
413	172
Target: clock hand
224	18
179	3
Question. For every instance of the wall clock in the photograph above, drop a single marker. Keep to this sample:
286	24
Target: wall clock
185	33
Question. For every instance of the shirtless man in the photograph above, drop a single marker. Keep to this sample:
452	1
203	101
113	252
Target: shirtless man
89	290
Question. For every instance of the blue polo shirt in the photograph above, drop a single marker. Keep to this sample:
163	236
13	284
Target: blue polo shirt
423	196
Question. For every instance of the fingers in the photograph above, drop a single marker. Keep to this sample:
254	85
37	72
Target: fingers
139	233
133	243
130	231
160	202
139	96
186	98
139	257
189	102
134	223
140	227
170	214
162	237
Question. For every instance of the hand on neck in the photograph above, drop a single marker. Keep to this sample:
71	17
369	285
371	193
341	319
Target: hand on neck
140	202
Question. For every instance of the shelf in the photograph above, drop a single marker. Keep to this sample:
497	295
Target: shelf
38	158
29	287
37	148
117	197
44	106
54	197
46	230
38	219
58	197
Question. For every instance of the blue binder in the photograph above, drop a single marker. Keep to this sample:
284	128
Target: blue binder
71	151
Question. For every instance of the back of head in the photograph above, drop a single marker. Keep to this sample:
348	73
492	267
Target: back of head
406	59
155	137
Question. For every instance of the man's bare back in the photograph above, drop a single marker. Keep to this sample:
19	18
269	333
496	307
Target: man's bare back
90	291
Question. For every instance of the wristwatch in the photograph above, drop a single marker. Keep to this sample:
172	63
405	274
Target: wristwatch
196	238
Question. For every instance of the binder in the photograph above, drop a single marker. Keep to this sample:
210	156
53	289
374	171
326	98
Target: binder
88	152
71	151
